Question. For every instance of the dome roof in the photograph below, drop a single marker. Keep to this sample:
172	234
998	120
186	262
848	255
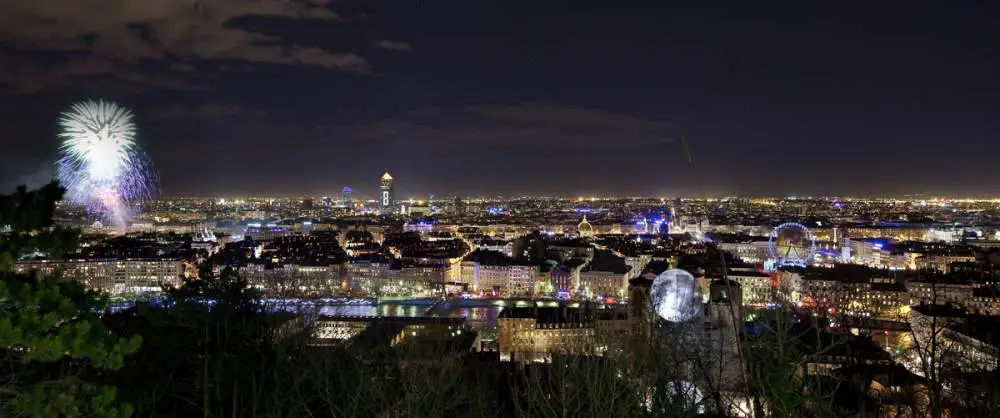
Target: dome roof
585	228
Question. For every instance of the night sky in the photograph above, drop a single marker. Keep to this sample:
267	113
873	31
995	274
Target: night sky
465	97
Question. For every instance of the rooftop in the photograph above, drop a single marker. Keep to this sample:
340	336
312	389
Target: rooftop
563	315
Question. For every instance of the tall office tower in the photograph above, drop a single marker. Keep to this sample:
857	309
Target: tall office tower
345	197
385	194
845	252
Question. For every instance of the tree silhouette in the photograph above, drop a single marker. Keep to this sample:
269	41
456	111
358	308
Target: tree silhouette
54	347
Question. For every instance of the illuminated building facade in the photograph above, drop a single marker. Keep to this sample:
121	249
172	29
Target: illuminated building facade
425	279
566	279
291	279
814	292
258	232
385	194
533	334
759	289
983	305
876	297
116	277
595	283
750	252
942	262
867	253
467	272
418	210
430	330
886	301
938	292
368	277
514	280
380	278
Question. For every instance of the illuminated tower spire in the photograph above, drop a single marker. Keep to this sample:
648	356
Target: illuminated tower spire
385	194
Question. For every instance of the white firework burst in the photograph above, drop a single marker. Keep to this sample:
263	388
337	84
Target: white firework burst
101	134
101	166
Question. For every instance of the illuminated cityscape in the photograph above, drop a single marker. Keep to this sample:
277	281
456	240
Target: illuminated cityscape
530	264
529	278
716	210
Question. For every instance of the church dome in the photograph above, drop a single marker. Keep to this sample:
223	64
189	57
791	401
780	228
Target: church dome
585	228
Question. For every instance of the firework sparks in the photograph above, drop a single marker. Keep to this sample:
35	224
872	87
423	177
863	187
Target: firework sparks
101	165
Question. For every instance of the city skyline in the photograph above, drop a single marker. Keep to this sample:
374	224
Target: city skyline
592	197
435	208
294	98
386	183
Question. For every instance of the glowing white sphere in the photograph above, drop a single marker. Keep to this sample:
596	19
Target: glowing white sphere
675	295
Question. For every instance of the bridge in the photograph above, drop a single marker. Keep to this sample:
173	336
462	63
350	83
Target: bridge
119	304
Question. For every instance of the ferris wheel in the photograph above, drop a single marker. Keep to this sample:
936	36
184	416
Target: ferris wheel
791	244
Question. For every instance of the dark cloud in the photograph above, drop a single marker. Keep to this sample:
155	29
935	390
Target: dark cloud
22	76
206	111
180	66
125	32
393	45
159	81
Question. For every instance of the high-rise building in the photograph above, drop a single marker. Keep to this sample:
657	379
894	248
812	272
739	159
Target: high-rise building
345	197
385	194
